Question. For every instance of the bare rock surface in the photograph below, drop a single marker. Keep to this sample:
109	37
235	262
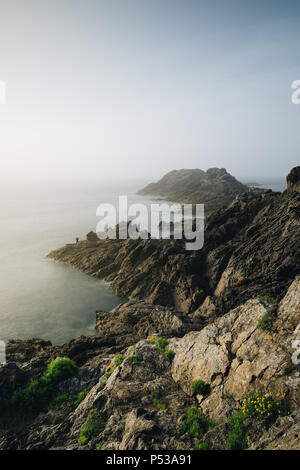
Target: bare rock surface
141	401
251	248
215	188
236	357
137	388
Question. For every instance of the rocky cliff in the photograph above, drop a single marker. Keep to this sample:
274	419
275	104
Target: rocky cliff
251	248
205	354
215	188
143	395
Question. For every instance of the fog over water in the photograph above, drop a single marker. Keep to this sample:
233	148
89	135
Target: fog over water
41	298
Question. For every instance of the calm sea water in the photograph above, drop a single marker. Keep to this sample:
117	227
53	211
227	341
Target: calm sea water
40	298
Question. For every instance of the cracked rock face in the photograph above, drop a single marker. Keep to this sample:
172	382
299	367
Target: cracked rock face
142	402
251	247
235	357
283	435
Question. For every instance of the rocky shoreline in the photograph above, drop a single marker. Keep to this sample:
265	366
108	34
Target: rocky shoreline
203	355
251	248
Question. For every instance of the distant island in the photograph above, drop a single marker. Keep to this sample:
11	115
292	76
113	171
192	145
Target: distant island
215	187
203	354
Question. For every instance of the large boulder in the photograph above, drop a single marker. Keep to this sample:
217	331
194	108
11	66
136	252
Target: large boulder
235	357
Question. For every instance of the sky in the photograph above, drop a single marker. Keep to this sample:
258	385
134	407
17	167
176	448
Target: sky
102	89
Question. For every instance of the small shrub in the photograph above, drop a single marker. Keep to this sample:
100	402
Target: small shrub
266	298
119	359
160	405
133	359
264	406
151	339
109	372
72	401
265	322
59	369
162	343
169	354
237	439
200	388
33	398
92	427
195	423
202	446
98	446
36	396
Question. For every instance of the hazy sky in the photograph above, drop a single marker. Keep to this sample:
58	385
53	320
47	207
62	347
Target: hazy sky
126	88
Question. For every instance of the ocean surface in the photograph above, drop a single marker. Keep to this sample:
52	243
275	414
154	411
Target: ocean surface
38	297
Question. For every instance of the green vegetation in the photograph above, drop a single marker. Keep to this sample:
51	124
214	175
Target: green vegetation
36	396
266	298
195	423
159	404
265	322
237	439
161	344
98	446
202	446
169	354
59	369
200	388
260	405
92	427
151	341
265	406
119	359
133	359
72	401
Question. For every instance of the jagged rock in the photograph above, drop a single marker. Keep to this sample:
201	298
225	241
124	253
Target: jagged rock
293	180
284	434
19	350
251	247
216	437
142	402
133	321
11	377
127	403
235	357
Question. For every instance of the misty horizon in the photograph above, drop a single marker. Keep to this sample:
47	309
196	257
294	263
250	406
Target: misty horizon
98	91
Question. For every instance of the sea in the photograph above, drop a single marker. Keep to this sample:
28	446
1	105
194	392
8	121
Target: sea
40	298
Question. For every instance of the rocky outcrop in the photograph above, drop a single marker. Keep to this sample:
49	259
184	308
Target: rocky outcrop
24	350
237	330
133	321
293	180
215	188
251	248
236	357
140	401
283	435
